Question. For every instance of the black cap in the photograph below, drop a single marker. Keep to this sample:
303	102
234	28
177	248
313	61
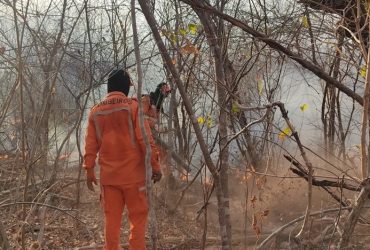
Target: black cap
119	80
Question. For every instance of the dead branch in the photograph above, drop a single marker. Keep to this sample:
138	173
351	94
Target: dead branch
280	229
65	211
302	173
321	183
42	220
354	215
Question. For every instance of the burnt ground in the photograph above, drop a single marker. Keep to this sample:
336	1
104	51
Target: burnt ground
259	205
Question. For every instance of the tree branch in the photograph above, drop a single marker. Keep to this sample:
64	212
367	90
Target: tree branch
276	45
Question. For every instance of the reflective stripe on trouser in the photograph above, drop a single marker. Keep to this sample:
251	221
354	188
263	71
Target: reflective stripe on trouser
114	199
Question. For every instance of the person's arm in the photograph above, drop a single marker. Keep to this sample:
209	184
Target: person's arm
154	149
91	150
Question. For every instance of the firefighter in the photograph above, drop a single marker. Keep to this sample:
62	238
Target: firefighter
113	133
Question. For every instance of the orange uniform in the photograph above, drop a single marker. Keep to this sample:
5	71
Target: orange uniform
114	134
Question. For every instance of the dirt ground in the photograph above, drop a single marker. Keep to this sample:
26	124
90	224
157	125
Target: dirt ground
259	206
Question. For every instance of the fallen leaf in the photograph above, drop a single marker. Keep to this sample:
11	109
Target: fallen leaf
253	200
265	213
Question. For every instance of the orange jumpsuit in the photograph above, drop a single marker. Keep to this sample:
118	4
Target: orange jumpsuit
113	132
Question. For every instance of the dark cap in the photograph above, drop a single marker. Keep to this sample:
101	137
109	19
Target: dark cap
119	80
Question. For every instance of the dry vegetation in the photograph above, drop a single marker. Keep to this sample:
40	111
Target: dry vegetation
269	110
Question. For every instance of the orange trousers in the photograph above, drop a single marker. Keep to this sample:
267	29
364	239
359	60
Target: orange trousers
114	199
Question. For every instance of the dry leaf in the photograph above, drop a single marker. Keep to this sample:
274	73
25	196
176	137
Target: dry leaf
253	200
189	49
260	182
265	213
255	227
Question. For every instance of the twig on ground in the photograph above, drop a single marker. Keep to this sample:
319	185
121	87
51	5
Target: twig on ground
4	243
280	229
42	221
42	204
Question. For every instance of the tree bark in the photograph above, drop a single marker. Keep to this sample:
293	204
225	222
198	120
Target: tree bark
148	165
188	106
216	44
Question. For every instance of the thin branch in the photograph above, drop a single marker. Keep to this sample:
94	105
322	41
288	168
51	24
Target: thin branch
42	205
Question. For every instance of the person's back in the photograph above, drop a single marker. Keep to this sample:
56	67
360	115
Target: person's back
120	155
114	133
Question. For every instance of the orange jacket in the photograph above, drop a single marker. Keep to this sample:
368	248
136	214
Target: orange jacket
113	131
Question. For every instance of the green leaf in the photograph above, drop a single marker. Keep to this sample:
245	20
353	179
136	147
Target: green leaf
209	122
183	32
234	108
193	28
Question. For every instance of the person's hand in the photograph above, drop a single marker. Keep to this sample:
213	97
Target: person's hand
91	179
156	176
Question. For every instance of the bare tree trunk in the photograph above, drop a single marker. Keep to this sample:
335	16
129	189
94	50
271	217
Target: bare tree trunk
365	120
221	84
20	79
207	158
148	166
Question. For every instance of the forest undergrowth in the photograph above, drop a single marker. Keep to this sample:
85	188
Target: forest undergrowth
260	204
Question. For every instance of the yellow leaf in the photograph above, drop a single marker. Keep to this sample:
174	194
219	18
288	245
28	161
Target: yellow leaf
183	32
234	108
201	120
209	122
363	71
260	86
305	21
173	61
285	132
193	28
304	107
